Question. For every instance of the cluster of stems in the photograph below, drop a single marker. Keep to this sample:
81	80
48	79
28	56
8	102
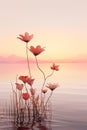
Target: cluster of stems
28	106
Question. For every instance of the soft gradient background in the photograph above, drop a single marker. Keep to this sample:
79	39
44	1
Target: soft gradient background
59	25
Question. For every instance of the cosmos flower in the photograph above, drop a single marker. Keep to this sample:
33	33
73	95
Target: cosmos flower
36	51
19	86
23	78
26	79
52	86
26	37
25	96
44	91
55	67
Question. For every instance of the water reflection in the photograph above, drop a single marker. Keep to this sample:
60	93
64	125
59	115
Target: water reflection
39	126
42	127
69	102
23	128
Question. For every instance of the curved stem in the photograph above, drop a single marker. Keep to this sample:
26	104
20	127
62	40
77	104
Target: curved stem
43	81
50	75
28	59
41	71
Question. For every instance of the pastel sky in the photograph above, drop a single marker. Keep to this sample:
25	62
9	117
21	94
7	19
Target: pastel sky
58	25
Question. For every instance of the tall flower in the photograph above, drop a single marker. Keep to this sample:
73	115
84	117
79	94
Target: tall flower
36	50
26	37
25	96
52	86
19	86
55	67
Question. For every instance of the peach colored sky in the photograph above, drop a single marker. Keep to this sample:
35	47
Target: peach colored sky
60	26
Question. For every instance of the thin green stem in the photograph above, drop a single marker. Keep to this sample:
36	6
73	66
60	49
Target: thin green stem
28	59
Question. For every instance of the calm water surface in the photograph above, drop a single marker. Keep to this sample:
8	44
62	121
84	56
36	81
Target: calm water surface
69	101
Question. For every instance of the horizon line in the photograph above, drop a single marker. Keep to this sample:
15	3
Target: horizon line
18	59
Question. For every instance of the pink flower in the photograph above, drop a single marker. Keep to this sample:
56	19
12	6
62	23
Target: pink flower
36	51
26	79
30	80
23	78
52	86
44	91
26	37
19	86
25	96
55	67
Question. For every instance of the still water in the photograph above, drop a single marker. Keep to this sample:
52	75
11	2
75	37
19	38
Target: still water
69	100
